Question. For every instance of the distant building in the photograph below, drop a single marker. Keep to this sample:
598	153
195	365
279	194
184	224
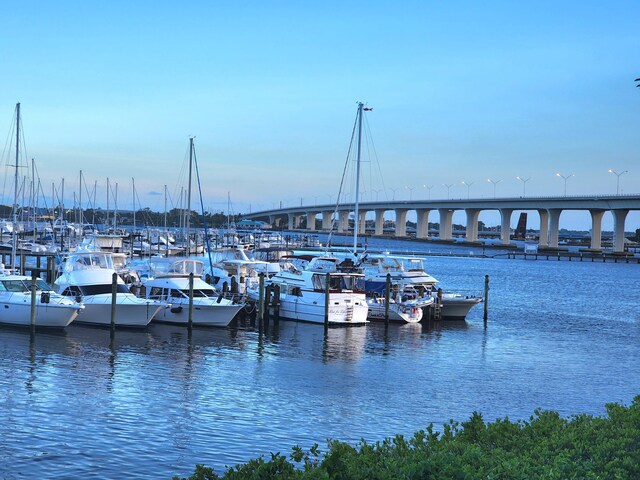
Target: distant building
246	224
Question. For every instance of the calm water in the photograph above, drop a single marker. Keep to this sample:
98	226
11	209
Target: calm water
151	404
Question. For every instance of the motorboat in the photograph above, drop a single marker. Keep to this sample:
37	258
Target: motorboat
405	307
408	272
88	277
168	281
308	285
52	310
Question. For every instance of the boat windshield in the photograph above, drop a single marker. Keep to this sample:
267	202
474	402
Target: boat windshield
412	265
23	285
339	283
197	293
101	289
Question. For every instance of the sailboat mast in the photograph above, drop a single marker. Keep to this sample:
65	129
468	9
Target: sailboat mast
356	223
14	244
188	213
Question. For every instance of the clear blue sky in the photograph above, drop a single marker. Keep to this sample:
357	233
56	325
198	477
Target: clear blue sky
460	90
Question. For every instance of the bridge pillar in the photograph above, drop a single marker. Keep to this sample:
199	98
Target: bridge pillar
422	230
327	216
619	217
294	221
554	226
272	220
343	221
362	222
505	226
401	222
596	229
472	224
379	222
543	239
311	220
446	224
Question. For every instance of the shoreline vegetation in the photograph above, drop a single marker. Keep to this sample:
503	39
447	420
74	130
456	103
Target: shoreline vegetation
546	446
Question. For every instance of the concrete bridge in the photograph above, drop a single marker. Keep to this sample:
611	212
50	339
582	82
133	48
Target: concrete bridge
549	209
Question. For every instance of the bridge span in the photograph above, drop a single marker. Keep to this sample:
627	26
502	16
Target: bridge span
548	208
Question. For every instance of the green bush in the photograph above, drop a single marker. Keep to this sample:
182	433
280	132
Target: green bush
545	447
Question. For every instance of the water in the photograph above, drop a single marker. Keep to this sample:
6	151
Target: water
151	404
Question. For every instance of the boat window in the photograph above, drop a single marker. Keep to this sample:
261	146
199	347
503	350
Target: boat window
197	293
318	282
71	292
295	291
354	283
41	285
156	292
15	286
102	289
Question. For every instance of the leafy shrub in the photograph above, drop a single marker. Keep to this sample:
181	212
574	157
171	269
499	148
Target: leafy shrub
545	447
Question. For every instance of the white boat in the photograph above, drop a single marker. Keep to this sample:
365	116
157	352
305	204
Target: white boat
408	272
303	292
168	281
232	266
88	277
52	310
406	307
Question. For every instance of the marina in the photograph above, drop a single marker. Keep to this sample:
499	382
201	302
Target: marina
156	402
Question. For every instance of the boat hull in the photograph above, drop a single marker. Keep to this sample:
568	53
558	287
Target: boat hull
205	315
50	316
130	311
457	307
354	313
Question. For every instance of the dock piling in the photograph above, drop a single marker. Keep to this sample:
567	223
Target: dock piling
486	298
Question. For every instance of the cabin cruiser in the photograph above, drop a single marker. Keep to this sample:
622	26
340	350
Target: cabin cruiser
407	272
88	277
52	310
169	281
305	282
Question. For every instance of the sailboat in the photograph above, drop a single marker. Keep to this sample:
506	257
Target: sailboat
51	309
321	287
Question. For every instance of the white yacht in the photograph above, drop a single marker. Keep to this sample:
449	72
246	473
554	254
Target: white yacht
407	272
232	266
88	277
303	292
52	310
168	281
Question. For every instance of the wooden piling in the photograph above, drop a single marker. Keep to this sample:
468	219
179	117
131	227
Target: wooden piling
190	319
33	300
260	298
387	299
327	285
114	291
486	298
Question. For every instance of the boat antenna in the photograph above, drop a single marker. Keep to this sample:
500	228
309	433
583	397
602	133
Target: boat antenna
356	222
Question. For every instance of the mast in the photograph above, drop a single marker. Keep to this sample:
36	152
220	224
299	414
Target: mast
133	183
356	224
80	200
188	213
106	223
14	244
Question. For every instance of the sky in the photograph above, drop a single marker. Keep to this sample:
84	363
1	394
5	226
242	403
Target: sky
461	91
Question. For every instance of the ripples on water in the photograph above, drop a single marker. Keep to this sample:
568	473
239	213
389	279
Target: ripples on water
151	404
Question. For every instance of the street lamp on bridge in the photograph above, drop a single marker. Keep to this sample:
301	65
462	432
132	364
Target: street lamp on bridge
524	184
410	192
448	189
468	184
565	178
495	182
618	178
428	187
394	190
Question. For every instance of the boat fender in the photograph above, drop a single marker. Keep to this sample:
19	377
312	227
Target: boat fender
219	298
177	309
45	297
